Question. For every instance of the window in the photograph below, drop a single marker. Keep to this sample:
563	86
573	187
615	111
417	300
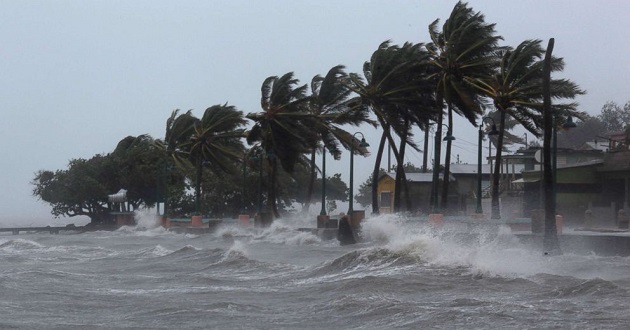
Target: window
386	199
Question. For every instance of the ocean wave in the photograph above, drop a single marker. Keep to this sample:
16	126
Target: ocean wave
20	244
282	233
368	259
569	287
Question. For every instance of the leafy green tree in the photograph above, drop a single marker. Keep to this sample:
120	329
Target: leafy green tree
284	130
81	190
591	129
139	163
614	116
516	91
464	49
135	165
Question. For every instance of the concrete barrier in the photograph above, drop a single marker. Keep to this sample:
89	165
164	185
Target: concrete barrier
243	220
436	220
322	221
196	221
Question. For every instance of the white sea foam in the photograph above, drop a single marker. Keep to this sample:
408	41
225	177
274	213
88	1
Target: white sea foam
237	250
284	231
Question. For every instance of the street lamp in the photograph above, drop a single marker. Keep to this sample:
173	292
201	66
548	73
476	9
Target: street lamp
436	163
258	157
362	144
243	206
323	211
526	144
493	131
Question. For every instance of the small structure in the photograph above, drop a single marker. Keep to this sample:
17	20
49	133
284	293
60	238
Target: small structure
120	208
419	188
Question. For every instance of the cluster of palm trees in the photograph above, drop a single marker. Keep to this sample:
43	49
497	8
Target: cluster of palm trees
463	70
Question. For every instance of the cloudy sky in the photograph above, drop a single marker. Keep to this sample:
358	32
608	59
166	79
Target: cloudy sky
78	76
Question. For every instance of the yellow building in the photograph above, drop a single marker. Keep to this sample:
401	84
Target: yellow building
419	191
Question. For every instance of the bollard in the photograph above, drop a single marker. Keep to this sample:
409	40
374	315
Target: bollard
243	220
559	223
436	220
345	234
356	218
196	221
322	221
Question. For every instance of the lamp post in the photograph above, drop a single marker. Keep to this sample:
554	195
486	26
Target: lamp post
243	191
526	144
260	178
493	131
436	164
323	211
362	144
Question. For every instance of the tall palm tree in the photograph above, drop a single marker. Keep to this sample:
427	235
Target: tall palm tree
464	49
284	129
328	103
516	91
392	90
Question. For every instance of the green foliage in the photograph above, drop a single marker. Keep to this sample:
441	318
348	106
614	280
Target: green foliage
136	165
615	117
589	130
464	49
81	190
284	130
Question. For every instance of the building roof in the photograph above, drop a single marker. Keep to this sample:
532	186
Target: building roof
595	145
485	168
418	177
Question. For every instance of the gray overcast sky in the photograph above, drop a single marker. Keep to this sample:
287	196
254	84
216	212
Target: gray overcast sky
78	76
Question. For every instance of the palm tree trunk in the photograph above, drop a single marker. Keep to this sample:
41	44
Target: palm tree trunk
425	156
436	168
198	188
551	245
400	169
496	208
375	172
447	162
272	188
311	183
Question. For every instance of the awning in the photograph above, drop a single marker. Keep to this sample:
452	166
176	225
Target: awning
524	180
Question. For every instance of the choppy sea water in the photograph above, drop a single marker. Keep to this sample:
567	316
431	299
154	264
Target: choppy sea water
404	277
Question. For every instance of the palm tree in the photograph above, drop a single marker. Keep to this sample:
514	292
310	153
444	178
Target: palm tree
213	140
328	105
516	91
392	89
284	129
464	49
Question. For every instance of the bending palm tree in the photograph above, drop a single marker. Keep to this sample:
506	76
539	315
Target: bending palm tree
215	139
328	105
284	129
516	90
393	89
463	50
